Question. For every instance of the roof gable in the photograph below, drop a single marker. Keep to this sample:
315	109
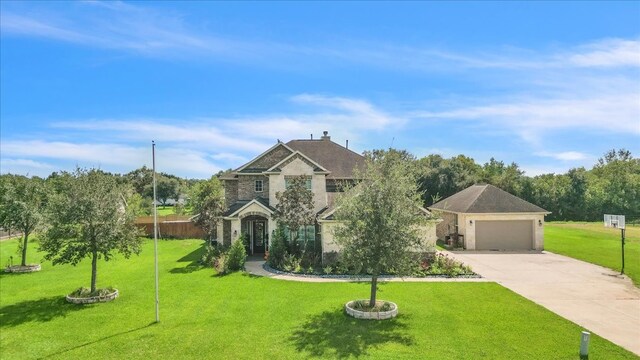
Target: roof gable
262	203
486	199
267	159
317	168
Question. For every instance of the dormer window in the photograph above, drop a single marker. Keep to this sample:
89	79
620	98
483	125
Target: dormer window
259	186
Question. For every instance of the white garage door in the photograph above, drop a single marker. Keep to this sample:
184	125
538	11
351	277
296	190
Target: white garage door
504	235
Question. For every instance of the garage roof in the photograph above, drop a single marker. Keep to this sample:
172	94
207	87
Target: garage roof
479	199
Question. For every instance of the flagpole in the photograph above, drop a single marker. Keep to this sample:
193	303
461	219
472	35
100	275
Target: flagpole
155	227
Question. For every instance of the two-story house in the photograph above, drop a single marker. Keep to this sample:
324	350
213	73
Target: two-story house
250	190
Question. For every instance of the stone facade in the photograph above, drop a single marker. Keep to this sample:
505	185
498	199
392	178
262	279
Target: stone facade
226	232
230	192
271	158
447	226
299	167
246	187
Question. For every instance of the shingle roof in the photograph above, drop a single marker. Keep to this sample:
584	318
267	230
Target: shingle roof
483	199
235	207
240	203
339	160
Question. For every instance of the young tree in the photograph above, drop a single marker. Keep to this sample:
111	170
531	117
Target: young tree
207	199
88	217
22	204
295	207
381	218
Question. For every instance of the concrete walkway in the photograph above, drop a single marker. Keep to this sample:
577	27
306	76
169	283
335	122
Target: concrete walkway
591	296
254	266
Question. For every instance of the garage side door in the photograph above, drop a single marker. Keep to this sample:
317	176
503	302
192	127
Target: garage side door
504	235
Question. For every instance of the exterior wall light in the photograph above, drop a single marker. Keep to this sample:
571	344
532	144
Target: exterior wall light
539	222
235	233
470	222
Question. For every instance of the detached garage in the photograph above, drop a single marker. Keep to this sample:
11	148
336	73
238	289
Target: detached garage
484	217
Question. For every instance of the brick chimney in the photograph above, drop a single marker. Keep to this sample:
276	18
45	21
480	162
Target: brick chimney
325	136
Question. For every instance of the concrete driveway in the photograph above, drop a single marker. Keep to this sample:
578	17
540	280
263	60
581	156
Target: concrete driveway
591	296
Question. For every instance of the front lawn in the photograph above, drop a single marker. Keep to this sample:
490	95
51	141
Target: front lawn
594	243
241	316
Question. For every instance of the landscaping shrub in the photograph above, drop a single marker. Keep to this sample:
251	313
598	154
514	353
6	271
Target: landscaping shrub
363	305
221	264
84	292
277	249
236	256
291	263
211	254
440	264
244	239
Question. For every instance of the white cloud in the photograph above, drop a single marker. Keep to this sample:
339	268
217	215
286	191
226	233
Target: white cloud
121	26
203	133
607	53
25	167
151	31
113	157
535	170
229	157
199	147
530	118
565	155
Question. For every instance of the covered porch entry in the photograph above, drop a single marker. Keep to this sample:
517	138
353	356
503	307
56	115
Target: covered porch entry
256	229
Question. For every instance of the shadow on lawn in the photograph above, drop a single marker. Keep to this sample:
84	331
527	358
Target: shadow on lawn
97	341
42	310
335	334
193	258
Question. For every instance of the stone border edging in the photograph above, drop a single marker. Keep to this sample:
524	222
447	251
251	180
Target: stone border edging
19	269
268	268
371	315
93	299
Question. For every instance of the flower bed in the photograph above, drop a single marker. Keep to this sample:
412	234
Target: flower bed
85	296
417	274
23	269
360	309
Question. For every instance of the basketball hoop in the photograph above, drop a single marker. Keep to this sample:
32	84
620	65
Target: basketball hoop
616	222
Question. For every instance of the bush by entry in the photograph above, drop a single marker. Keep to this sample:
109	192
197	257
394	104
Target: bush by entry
205	316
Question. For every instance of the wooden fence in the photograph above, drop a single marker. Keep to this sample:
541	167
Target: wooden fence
171	226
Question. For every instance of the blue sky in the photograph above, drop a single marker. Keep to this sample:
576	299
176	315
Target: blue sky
549	85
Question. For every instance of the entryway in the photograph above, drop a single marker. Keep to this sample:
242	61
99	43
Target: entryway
258	235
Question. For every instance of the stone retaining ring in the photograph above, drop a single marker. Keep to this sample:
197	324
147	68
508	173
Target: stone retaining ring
93	299
371	315
23	269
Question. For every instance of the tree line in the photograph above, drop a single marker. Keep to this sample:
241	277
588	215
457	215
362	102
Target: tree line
611	186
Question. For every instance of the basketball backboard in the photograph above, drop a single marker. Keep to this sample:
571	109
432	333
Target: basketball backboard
614	221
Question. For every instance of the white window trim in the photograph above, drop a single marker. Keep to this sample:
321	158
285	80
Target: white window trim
255	186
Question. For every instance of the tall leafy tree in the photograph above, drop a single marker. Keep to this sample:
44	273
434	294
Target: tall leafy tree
507	178
381	218
22	206
295	206
140	179
615	185
166	188
207	199
89	218
441	178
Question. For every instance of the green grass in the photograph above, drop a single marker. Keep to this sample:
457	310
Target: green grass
241	316
165	210
594	243
170	210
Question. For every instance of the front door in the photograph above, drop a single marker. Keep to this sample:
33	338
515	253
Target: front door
259	231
